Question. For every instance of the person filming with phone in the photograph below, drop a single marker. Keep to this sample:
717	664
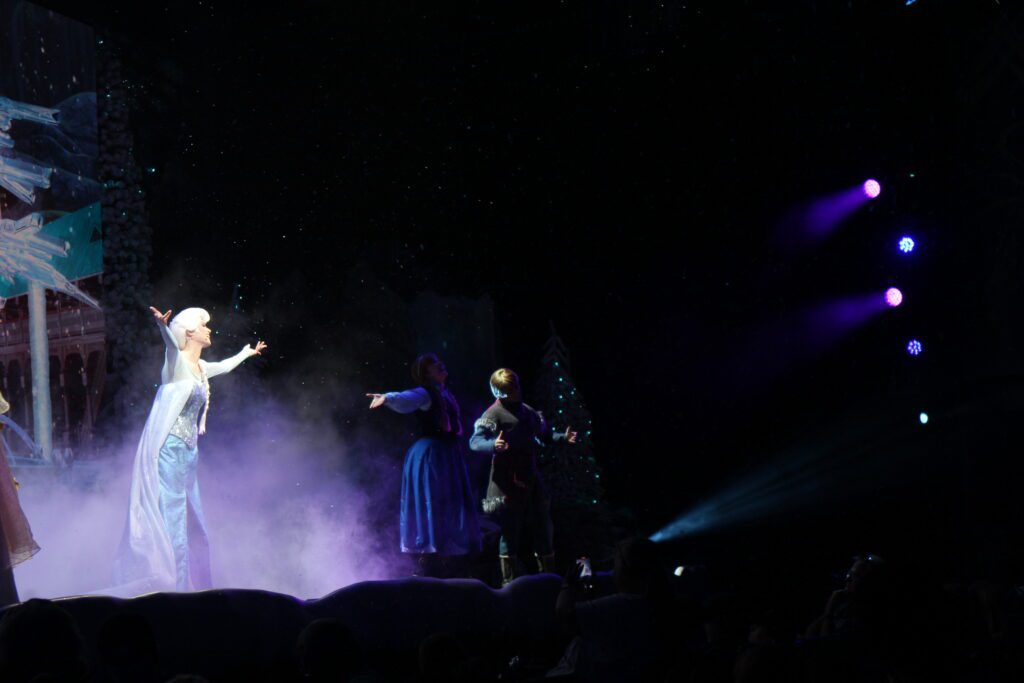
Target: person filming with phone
621	636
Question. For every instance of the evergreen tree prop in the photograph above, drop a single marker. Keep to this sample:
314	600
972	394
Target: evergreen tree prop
583	524
570	471
127	249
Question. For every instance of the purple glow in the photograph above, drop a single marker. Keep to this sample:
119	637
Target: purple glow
914	347
284	512
907	244
872	189
893	297
817	327
820	217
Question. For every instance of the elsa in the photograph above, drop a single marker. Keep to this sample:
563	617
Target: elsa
165	545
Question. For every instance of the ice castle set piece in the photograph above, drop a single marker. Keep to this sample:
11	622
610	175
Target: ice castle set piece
21	176
26	253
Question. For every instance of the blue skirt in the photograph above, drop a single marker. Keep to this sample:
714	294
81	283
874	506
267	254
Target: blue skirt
438	508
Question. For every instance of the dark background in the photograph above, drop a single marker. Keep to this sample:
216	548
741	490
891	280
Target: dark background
621	170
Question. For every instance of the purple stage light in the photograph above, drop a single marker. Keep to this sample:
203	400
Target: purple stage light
907	244
914	347
893	297
871	188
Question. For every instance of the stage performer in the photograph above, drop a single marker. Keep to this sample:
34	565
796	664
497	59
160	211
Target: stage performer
165	545
437	514
16	542
513	433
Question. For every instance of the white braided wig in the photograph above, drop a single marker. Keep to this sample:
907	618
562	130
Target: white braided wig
189	320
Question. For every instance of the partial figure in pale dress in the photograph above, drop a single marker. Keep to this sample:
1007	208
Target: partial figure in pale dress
16	541
165	544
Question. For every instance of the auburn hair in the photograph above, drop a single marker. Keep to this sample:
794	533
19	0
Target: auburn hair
420	366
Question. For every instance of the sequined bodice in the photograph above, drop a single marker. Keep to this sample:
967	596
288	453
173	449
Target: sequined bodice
186	426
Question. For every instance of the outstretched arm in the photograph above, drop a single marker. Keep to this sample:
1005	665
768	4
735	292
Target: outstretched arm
172	350
165	331
548	436
402	401
229	364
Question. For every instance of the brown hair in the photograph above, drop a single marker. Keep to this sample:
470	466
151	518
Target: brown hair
420	365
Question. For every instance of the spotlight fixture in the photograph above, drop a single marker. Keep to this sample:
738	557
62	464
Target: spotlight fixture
893	297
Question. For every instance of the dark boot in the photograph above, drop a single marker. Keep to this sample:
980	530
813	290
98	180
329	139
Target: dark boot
546	563
426	565
508	569
452	566
8	591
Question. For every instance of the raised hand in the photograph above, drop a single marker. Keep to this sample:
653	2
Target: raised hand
162	317
500	445
258	350
377	400
570	435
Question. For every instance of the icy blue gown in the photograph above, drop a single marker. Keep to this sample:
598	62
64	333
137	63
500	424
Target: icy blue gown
180	505
165	544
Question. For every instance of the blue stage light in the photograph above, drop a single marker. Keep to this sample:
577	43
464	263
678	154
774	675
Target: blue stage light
914	347
907	245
